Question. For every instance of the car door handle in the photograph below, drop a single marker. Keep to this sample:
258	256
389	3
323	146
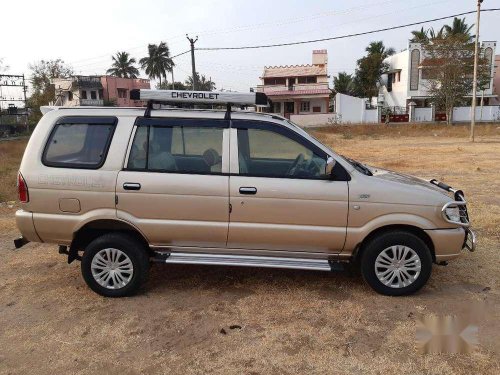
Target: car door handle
132	186
248	190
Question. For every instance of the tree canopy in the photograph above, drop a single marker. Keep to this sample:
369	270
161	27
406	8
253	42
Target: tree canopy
202	83
123	66
343	83
158	62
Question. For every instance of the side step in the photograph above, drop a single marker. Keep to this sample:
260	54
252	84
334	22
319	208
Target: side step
249	261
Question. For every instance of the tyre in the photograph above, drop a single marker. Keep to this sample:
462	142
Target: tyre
115	265
396	263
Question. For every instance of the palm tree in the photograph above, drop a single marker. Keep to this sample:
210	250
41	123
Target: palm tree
343	83
420	36
202	83
123	66
459	27
158	61
378	48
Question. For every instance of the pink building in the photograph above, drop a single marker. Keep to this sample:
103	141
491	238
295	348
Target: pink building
118	90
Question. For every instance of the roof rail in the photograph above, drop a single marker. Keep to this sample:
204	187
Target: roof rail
199	97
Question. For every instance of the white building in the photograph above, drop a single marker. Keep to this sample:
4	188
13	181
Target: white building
405	81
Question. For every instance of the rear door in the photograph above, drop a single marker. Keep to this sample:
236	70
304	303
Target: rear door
280	196
174	186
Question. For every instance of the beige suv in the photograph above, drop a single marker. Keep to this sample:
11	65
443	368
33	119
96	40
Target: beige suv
118	188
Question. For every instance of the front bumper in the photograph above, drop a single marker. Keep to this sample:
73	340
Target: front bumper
470	240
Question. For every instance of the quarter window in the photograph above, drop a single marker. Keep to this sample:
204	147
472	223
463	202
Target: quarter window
269	154
177	149
79	143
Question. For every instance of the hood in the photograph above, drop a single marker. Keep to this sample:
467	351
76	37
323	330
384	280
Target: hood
402	188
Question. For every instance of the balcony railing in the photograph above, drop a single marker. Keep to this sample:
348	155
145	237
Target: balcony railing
297	87
92	102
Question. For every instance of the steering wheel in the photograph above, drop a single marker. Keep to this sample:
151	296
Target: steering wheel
293	168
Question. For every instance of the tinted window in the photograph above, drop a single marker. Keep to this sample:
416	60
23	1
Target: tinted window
177	149
267	153
79	143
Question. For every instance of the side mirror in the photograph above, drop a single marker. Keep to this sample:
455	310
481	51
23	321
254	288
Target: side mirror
330	163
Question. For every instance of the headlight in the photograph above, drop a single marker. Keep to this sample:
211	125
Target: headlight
453	213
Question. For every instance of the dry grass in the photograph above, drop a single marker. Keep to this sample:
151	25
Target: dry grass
11	153
292	322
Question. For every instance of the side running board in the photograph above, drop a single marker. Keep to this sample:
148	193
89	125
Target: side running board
248	261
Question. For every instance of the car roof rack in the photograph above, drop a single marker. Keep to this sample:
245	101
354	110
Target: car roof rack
198	97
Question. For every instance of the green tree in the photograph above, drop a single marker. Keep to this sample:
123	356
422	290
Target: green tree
123	66
158	62
447	70
168	86
370	68
343	83
203	84
43	92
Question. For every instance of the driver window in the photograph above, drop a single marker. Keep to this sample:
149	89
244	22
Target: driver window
269	154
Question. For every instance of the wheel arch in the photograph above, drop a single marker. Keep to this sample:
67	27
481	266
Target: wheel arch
96	228
419	232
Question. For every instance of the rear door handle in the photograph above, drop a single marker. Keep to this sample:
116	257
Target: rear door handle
132	186
248	190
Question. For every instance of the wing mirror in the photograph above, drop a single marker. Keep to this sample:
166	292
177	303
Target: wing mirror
330	163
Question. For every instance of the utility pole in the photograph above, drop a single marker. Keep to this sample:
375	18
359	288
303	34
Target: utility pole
173	82
193	66
474	82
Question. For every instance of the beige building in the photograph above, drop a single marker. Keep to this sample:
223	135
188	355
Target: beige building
298	89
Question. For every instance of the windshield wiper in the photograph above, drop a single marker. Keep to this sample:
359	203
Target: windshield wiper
359	166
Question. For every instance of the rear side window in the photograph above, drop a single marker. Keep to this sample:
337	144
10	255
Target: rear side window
79	142
180	149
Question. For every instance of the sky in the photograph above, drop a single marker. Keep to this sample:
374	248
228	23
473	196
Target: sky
85	34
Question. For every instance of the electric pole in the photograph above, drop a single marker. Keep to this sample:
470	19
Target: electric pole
474	82
193	66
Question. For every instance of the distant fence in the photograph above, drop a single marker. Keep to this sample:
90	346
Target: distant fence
487	113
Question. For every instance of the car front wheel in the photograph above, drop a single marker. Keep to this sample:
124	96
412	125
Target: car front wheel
396	263
115	265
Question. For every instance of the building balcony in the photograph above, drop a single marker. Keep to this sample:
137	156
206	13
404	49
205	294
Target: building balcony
297	89
92	102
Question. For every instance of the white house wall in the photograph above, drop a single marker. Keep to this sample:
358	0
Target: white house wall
423	114
486	113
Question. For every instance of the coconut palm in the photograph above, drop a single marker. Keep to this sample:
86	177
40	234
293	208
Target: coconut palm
158	62
202	83
123	66
378	48
343	83
420	36
459	27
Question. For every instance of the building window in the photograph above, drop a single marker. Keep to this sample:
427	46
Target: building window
488	56
122	93
277	107
305	106
415	61
316	109
274	81
84	94
308	79
93	95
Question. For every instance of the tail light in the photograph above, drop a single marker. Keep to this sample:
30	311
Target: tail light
22	189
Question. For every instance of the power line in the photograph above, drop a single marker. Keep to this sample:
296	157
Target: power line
343	36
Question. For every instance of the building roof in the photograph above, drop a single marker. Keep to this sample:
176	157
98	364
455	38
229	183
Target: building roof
298	92
294	71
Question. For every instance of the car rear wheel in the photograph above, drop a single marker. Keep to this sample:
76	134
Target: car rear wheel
396	263
115	265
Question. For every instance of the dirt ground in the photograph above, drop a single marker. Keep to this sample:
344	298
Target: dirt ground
199	320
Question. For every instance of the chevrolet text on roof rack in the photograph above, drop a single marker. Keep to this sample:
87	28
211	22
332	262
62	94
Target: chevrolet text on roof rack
200	97
178	185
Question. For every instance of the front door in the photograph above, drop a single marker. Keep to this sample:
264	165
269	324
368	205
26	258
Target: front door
289	109
279	195
174	186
